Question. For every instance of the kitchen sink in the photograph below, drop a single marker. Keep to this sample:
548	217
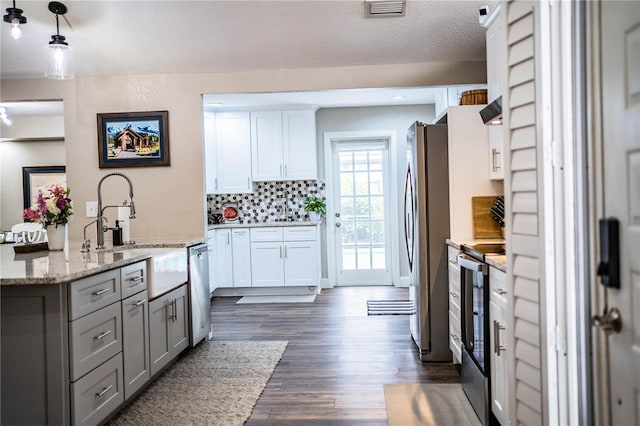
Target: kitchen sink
167	268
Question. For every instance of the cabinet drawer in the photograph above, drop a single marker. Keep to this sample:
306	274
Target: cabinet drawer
452	257
92	293
133	278
94	339
498	286
300	233
455	337
454	284
266	234
98	393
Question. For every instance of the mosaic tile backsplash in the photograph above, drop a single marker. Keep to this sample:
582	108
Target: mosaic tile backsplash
270	201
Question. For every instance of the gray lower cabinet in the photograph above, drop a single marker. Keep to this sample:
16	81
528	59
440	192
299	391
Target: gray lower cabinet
135	342
98	393
168	327
73	353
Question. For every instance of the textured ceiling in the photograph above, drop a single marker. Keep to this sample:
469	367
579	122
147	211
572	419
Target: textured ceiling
140	37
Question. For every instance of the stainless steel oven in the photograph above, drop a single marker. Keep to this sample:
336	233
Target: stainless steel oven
476	363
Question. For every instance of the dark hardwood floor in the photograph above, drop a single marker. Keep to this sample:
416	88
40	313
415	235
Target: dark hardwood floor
337	359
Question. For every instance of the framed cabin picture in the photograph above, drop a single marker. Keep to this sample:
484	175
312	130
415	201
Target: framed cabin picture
133	139
35	179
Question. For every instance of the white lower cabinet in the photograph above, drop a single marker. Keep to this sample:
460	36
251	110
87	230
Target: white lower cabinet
211	244
168	327
455	327
241	254
135	346
267	268
223	262
498	333
284	256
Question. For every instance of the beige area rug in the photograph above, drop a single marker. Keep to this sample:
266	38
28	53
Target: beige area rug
217	383
428	404
293	298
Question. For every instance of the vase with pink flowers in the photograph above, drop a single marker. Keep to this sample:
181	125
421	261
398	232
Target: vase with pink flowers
52	209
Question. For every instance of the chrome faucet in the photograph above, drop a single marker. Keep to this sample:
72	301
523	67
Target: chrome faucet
86	243
132	208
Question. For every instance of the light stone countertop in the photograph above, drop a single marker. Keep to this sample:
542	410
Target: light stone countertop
260	224
57	267
497	261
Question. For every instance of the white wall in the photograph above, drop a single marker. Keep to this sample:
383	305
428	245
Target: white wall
397	118
169	200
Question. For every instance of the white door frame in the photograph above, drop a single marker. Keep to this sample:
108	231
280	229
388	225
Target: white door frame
390	137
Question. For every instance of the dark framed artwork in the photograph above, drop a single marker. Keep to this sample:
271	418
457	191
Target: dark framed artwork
133	139
36	179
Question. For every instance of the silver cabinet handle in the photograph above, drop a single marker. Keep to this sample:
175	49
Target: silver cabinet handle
497	348
99	292
174	308
141	302
215	183
136	279
285	251
102	335
228	239
248	183
286	173
280	252
104	391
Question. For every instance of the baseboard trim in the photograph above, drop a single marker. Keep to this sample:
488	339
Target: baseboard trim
264	291
405	281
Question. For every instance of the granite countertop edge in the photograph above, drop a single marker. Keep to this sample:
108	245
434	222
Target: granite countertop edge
59	267
498	262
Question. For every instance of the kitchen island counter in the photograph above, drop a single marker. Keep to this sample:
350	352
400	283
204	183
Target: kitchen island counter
57	267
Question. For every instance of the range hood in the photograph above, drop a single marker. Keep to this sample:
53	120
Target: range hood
492	113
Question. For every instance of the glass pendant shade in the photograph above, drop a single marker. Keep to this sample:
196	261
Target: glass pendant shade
59	64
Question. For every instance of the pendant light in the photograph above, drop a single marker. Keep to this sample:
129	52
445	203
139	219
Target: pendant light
15	18
58	53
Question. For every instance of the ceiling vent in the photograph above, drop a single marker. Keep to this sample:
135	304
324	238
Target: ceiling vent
384	8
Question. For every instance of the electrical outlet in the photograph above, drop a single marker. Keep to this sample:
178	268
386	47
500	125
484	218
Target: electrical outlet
92	209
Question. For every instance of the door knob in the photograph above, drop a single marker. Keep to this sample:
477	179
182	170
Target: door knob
337	224
337	214
610	322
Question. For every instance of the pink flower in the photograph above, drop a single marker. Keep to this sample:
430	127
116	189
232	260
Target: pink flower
31	215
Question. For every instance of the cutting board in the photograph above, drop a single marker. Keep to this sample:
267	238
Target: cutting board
483	224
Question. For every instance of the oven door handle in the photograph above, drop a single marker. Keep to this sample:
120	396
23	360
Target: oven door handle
471	264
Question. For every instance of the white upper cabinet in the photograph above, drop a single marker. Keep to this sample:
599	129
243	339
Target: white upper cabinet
495	77
283	145
231	158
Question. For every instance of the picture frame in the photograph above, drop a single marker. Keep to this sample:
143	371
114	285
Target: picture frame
38	178
133	139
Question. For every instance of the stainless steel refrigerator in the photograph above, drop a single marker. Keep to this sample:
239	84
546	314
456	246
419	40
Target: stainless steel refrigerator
426	227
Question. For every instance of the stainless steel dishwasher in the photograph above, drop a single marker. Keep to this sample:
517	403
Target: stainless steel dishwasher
200	319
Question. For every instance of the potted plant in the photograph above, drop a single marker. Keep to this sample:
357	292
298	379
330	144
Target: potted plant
316	208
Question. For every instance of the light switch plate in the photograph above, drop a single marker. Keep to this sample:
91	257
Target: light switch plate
92	209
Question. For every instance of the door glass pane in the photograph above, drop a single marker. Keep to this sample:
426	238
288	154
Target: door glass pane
347	211
362	211
346	161
362	183
377	207
360	160
346	183
377	183
375	160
